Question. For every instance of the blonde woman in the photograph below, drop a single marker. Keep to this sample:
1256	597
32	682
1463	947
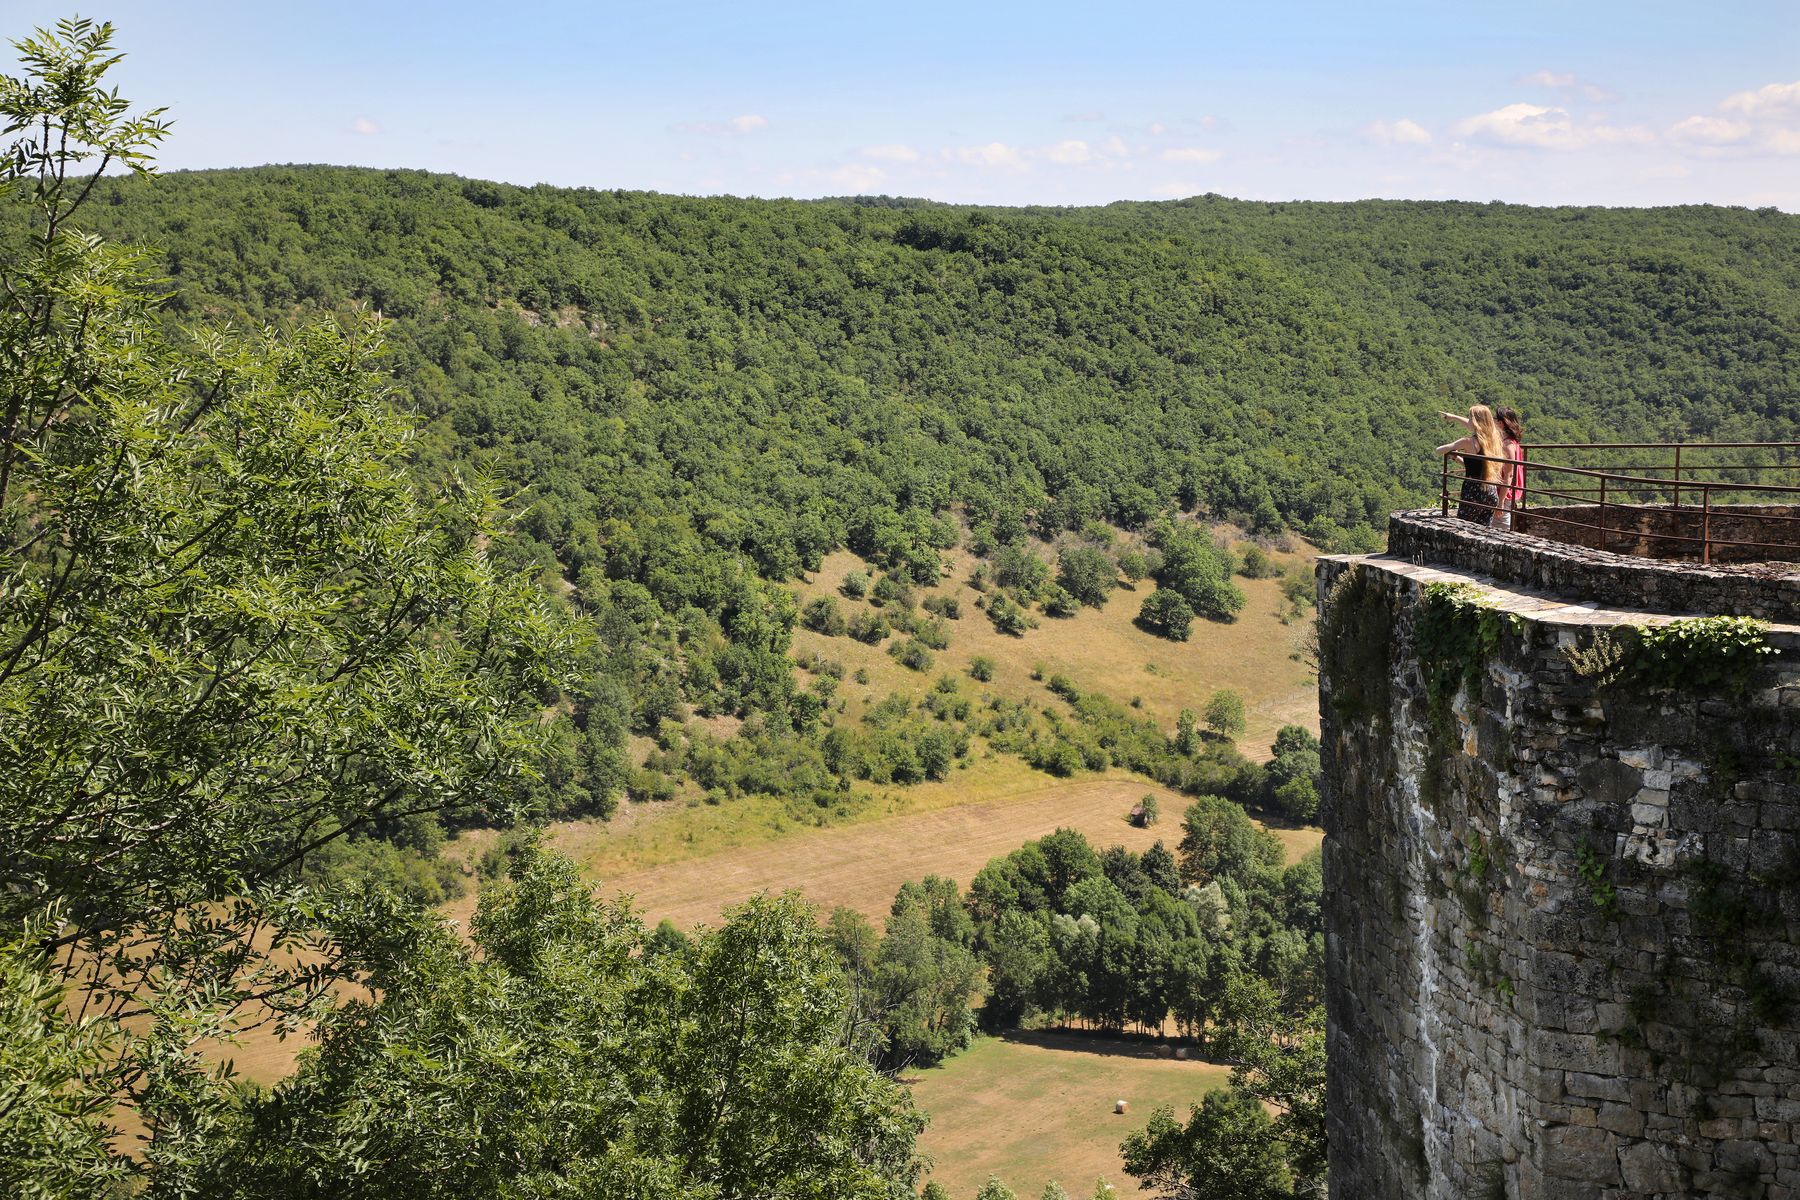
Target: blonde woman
1481	452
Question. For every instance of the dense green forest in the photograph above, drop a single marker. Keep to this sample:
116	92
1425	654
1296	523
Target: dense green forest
690	398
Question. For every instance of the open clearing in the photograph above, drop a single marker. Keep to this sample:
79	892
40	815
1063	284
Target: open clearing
1037	1107
862	865
1100	650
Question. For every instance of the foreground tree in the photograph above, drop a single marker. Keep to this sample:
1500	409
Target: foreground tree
554	1058
1228	1150
233	629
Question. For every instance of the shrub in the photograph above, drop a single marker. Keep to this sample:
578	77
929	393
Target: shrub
856	585
948	607
869	627
1087	574
1133	565
1256	563
823	616
981	669
1017	567
1008	616
911	654
1167	614
890	589
933	633
1059	601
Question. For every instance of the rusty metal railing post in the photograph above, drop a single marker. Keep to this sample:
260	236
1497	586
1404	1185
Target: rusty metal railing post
1602	512
1705	526
1444	485
1677	475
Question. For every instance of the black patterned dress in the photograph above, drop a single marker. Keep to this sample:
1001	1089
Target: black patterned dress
1480	499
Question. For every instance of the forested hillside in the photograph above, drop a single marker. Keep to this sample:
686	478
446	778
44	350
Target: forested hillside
785	377
695	398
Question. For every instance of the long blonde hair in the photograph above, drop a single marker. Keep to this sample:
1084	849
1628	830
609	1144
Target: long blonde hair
1486	431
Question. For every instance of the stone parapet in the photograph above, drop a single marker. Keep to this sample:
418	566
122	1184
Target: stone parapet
1770	591
1563	933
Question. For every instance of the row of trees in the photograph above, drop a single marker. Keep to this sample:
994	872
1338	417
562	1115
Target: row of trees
1218	938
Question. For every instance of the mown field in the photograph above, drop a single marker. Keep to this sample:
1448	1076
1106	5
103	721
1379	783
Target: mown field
1032	1108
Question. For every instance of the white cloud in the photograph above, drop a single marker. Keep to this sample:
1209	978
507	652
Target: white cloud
1069	153
1405	131
994	154
1191	154
849	179
1783	141
1157	129
1711	131
1544	127
892	152
365	127
748	123
1116	148
1566	81
1771	98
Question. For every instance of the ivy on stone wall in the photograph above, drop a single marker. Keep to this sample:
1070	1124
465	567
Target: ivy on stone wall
1697	654
1355	635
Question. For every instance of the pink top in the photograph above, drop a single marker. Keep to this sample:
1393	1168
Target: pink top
1512	474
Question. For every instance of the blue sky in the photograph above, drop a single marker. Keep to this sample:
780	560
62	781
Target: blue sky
1543	103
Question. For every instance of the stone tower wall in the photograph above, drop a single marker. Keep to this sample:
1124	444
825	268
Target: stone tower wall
1562	951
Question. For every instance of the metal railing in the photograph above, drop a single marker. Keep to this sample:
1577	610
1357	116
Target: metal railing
1680	473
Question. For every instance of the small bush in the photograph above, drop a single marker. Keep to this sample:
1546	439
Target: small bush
1256	563
869	627
822	615
1008	616
981	669
856	585
933	633
1059	601
892	590
948	607
911	654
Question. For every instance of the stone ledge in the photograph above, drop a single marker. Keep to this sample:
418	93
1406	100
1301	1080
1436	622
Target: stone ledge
1770	591
1538	605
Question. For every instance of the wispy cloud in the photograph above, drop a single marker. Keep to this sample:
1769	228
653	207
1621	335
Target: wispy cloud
1069	153
736	126
365	127
1191	154
1404	132
1768	100
994	154
1567	81
891	152
1545	127
1709	131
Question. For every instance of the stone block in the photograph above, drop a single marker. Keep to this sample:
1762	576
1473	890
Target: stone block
1648	1169
1581	1154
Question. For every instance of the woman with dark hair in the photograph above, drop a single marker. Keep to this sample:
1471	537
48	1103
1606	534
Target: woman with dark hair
1480	451
1512	472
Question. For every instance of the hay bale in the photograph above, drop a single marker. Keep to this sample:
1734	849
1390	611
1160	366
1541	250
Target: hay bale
1181	1052
1119	1106
1164	1050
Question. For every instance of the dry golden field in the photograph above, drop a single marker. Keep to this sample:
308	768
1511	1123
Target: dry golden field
1036	1107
